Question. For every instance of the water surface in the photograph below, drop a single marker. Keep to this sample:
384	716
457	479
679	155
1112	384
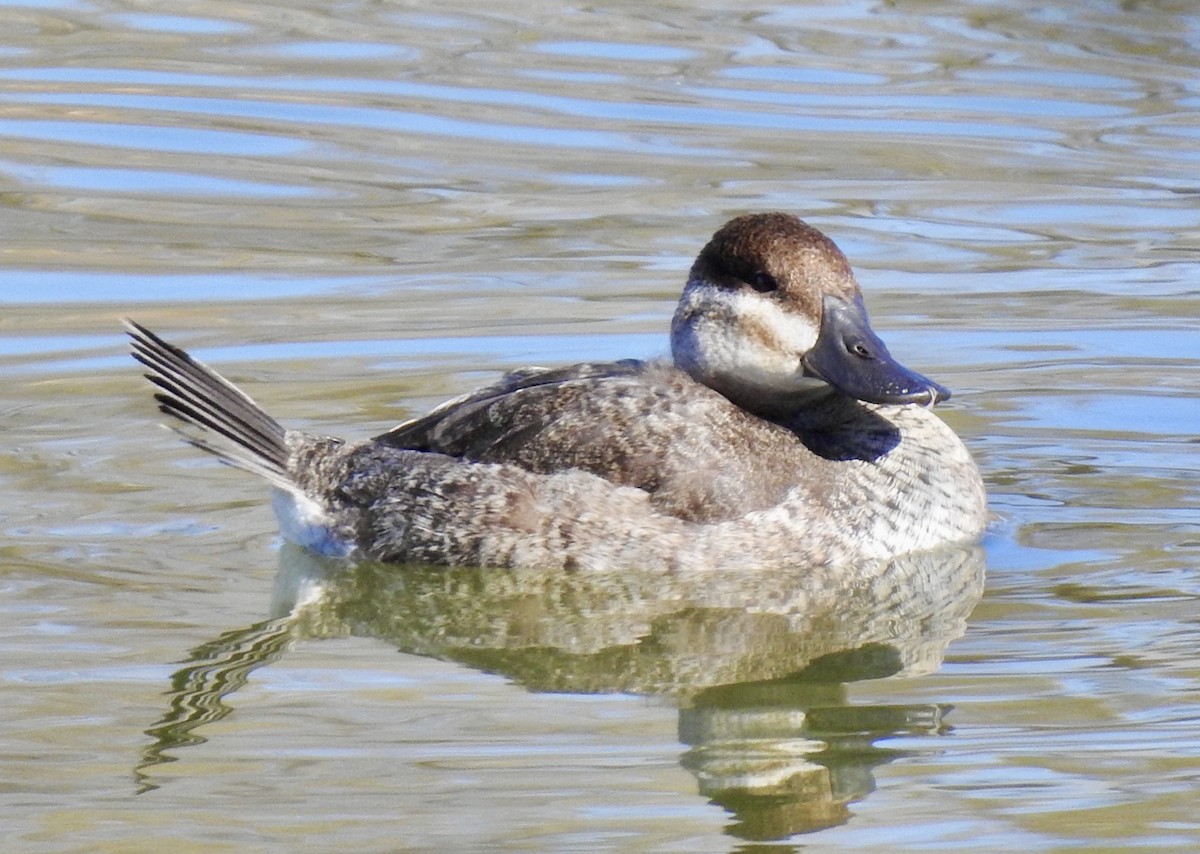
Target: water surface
357	210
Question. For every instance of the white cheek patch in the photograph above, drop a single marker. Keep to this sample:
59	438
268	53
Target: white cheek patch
795	334
755	340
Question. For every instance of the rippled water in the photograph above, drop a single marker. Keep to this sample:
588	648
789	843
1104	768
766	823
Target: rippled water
359	209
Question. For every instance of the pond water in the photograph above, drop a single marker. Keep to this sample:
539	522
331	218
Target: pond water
358	209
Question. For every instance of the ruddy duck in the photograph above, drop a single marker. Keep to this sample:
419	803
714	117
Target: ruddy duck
781	433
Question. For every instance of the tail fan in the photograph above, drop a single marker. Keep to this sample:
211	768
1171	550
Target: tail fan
198	396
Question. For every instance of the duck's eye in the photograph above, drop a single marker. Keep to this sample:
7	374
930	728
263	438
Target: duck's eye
762	282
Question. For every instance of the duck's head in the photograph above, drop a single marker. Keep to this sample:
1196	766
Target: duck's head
772	315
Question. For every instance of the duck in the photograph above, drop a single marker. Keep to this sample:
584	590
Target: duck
780	433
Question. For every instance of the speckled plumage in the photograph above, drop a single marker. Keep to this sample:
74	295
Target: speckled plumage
693	465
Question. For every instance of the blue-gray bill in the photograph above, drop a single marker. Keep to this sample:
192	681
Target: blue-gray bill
850	357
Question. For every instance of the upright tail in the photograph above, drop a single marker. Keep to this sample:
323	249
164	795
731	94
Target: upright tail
198	396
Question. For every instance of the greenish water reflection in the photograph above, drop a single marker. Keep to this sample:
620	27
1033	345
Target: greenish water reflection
756	662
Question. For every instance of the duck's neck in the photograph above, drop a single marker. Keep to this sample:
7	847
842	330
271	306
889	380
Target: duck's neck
801	404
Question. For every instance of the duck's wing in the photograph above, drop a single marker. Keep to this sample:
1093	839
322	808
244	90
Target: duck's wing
641	424
497	423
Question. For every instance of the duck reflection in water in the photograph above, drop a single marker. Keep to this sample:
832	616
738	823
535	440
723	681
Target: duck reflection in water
756	662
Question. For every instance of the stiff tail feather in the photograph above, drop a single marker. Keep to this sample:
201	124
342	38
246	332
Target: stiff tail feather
198	396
